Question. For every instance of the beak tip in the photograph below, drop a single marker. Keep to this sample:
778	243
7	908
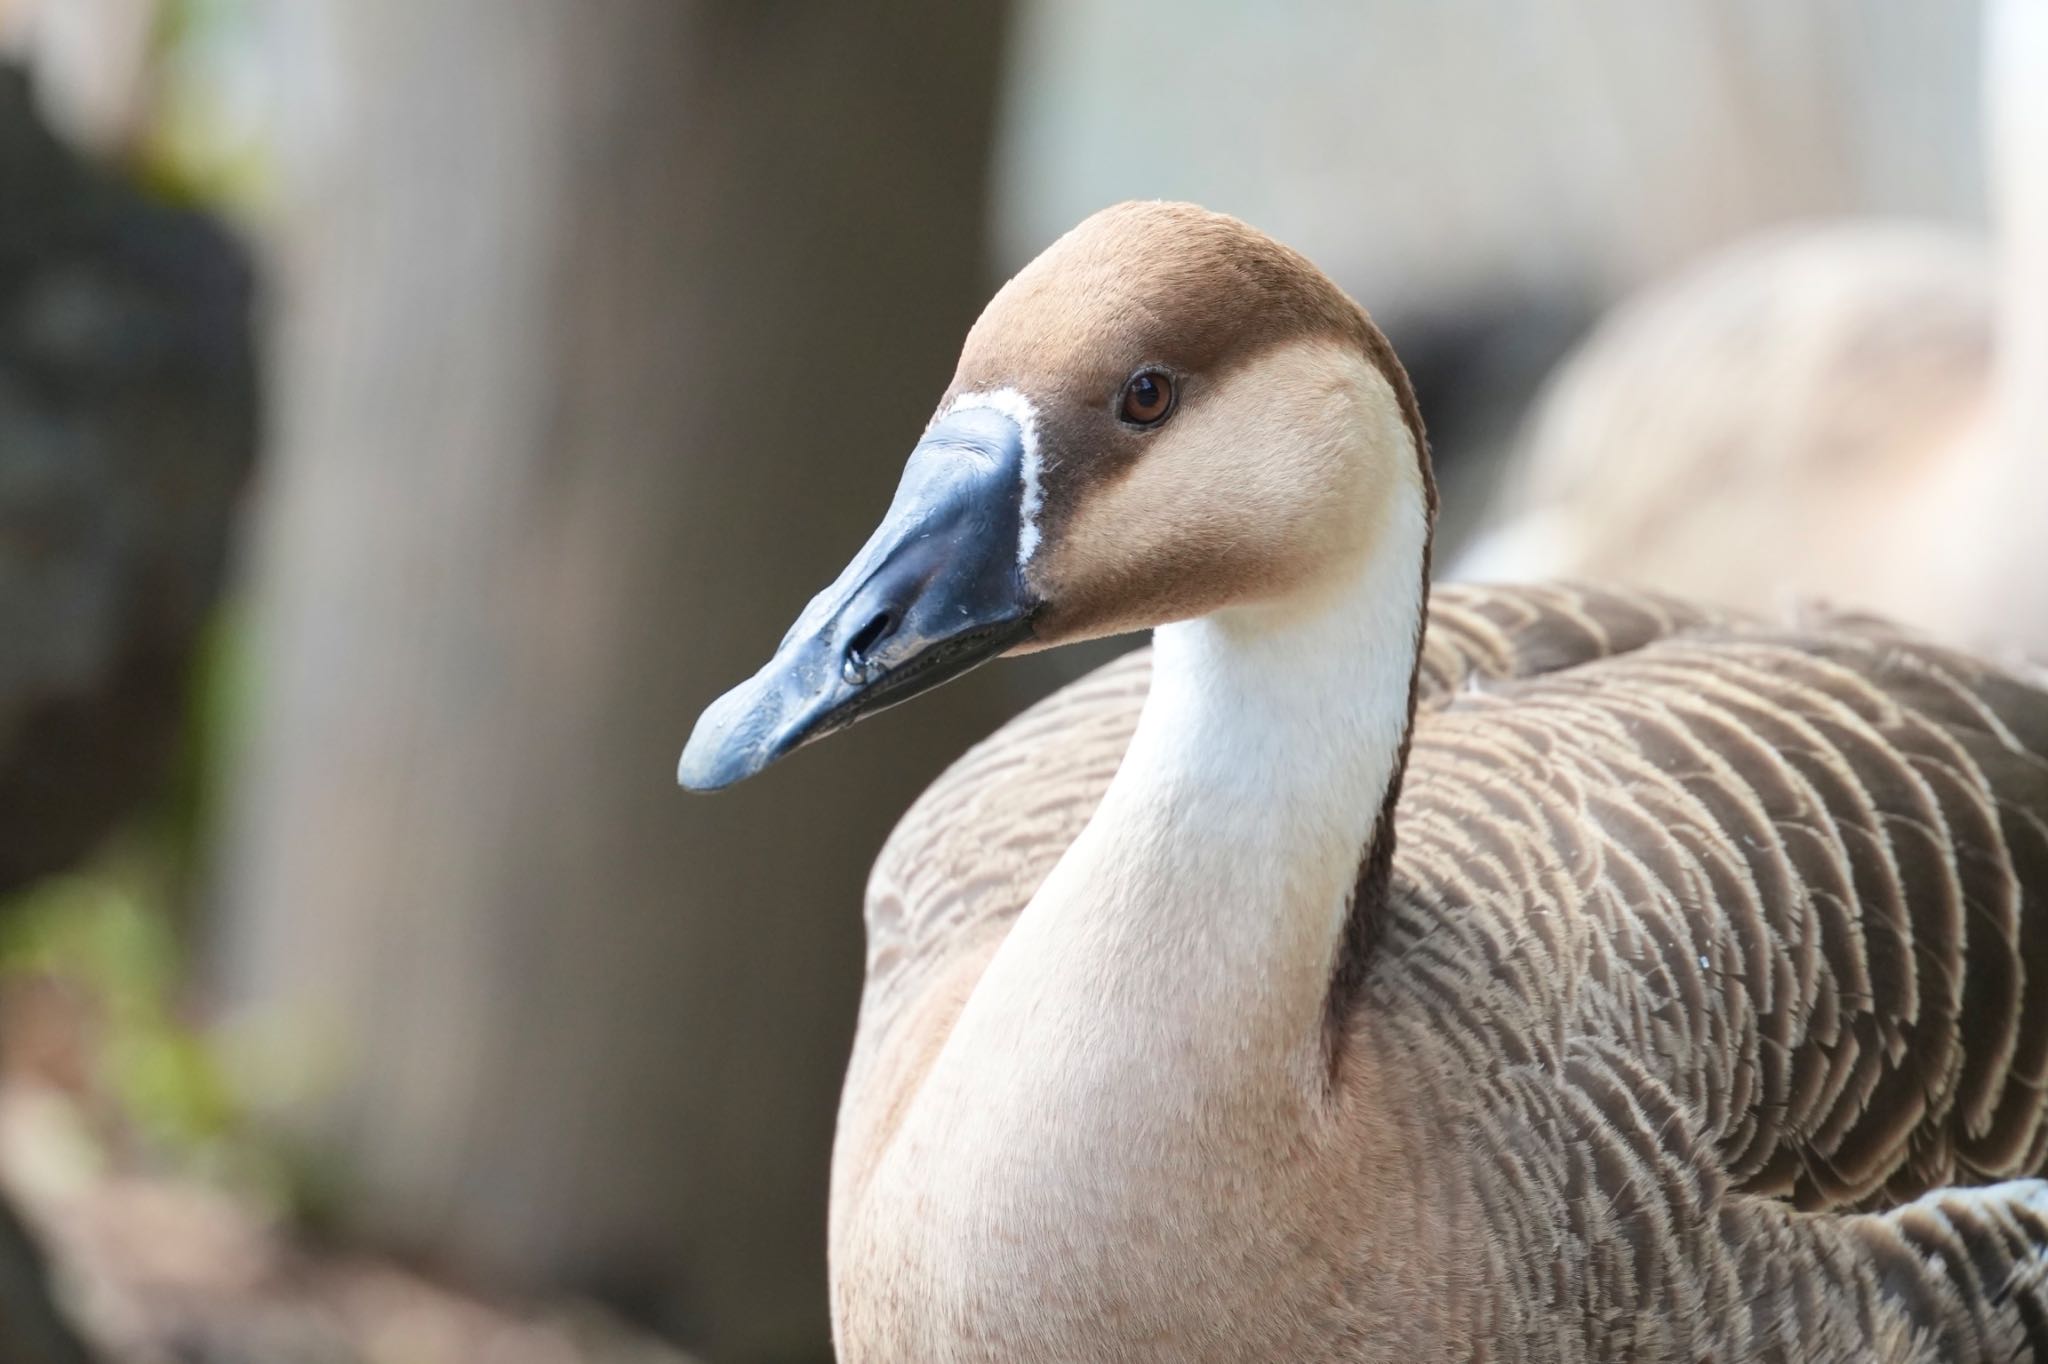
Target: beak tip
705	773
709	761
693	775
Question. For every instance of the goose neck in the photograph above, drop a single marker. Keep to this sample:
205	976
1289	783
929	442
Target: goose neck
1221	865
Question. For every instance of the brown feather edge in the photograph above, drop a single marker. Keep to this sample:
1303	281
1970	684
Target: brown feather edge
1369	893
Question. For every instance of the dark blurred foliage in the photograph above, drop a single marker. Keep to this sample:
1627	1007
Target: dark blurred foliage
30	1333
128	426
127	431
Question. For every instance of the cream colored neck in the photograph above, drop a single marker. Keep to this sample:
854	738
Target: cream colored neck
1207	896
1226	851
1151	1030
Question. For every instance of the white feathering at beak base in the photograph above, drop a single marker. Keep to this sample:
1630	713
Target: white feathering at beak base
1019	409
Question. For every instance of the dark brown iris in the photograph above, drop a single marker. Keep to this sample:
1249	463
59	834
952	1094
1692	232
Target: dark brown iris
1148	397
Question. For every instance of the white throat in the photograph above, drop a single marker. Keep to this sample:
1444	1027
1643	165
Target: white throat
1233	833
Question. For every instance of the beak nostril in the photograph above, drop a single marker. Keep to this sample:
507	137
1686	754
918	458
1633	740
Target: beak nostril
871	633
865	639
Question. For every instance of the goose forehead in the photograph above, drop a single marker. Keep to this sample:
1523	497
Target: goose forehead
1139	284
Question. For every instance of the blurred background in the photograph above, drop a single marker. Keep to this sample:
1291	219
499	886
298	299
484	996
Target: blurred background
412	412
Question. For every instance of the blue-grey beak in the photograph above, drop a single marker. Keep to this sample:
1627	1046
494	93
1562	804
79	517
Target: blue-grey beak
937	589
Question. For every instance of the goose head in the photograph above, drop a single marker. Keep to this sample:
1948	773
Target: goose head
1167	415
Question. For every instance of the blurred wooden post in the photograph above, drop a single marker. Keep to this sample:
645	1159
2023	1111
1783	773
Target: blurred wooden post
604	326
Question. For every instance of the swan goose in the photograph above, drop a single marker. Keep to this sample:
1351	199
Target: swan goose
1869	398
1699	1010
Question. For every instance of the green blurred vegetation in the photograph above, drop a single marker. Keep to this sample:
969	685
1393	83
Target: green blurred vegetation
99	936
103	955
201	145
98	963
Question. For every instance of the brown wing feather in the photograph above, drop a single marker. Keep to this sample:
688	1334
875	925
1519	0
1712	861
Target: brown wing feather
1482	634
1802	879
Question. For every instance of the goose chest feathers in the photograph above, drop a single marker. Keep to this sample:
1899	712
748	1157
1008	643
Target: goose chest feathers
1585	977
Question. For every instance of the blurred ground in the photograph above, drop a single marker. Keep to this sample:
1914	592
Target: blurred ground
167	1226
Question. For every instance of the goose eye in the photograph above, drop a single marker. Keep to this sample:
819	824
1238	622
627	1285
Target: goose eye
1148	397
